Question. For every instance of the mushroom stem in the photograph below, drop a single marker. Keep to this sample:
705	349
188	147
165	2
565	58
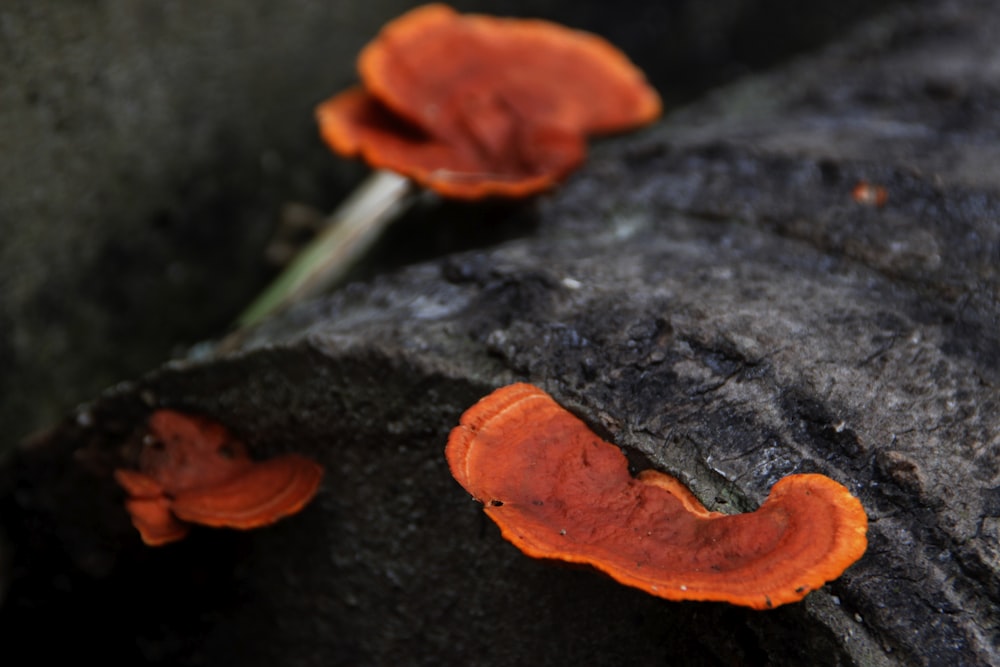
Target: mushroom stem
347	233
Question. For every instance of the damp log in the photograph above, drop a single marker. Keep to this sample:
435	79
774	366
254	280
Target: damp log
712	296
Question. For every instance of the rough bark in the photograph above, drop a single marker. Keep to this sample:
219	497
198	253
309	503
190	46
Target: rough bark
710	297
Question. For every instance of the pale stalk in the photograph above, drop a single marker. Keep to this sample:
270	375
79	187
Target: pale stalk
346	235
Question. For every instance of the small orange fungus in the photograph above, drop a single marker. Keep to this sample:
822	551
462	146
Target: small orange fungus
558	491
192	470
869	194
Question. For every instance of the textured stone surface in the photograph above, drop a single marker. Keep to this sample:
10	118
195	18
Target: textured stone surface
709	296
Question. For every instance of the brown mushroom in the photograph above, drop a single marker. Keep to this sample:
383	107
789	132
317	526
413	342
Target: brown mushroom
192	470
557	491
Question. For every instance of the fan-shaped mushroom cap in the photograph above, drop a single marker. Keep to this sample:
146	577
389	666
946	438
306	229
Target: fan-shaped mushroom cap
558	491
442	70
193	470
474	106
530	159
154	521
185	452
266	492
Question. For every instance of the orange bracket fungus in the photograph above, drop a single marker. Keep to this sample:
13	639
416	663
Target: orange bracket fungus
558	491
473	106
469	106
192	470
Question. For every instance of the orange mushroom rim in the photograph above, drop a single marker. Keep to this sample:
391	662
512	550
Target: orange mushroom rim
557	491
192	470
474	106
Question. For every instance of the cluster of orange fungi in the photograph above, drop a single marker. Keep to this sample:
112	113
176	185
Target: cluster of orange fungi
192	470
558	491
474	106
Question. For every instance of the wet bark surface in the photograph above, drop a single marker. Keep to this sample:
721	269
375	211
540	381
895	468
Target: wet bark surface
711	296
